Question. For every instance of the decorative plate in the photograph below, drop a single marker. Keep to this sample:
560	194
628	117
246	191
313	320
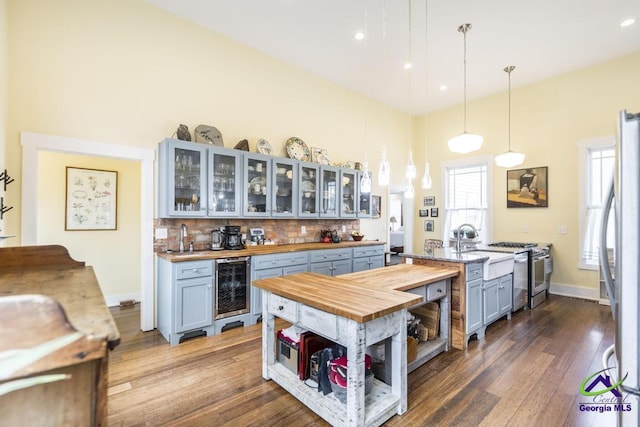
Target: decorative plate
307	186
297	149
208	135
264	147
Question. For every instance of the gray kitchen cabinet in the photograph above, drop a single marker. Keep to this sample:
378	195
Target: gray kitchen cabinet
329	191
348	193
367	258
274	265
257	185
331	262
284	195
308	198
185	299
182	184
473	303
497	298
224	182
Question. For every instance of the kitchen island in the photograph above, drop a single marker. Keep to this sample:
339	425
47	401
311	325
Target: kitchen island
354	312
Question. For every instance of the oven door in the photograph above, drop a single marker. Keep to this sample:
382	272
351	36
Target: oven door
539	274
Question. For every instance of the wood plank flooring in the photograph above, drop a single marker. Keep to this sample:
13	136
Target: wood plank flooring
526	372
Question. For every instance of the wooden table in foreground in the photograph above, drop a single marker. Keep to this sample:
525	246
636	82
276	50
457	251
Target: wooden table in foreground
354	310
55	332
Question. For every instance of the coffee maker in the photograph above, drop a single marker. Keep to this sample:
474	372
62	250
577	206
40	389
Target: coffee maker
232	237
257	235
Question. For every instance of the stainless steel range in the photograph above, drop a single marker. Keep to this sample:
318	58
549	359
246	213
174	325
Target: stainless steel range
531	272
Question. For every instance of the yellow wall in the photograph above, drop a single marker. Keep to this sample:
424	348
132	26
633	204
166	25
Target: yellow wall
4	101
547	120
114	254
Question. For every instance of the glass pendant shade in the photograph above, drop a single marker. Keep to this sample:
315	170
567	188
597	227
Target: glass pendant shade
409	192
411	167
384	172
365	182
509	159
465	143
426	179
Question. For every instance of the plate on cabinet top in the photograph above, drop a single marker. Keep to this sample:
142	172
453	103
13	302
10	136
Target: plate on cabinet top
208	135
297	149
264	147
307	186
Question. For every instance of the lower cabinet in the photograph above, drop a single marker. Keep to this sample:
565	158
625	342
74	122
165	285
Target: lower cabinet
367	258
331	262
185	299
474	306
497	298
275	265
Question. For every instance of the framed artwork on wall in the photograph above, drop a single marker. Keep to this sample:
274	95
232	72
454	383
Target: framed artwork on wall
428	225
423	212
434	212
91	196
375	206
528	188
429	201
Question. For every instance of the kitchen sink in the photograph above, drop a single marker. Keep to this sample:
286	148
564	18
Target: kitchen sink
498	264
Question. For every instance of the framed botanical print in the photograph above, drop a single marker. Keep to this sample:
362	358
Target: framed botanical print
91	197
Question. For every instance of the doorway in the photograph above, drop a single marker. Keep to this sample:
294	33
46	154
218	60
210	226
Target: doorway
401	209
33	143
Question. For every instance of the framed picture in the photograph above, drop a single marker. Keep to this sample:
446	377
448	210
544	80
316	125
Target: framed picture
91	196
319	155
528	188
423	212
429	201
375	206
434	212
428	225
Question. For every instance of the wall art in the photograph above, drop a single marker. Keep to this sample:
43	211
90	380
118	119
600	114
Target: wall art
528	188
91	198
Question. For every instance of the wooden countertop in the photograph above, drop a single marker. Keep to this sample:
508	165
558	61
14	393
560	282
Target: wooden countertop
68	282
262	250
360	296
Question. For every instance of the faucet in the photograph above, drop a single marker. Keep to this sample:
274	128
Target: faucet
183	234
459	234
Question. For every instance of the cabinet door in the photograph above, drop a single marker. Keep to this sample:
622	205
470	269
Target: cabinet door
321	267
285	192
347	197
376	262
329	191
505	293
490	297
474	305
194	303
294	269
224	183
257	185
308	191
360	264
364	198
182	179
341	267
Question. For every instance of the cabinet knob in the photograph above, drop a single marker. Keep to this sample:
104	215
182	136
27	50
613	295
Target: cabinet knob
273	262
439	290
280	307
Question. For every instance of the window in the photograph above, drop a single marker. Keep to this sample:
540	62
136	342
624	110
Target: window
467	197
597	163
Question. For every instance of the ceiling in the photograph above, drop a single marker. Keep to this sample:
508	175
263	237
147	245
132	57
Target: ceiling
542	38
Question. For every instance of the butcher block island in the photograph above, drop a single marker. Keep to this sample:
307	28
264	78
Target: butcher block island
354	310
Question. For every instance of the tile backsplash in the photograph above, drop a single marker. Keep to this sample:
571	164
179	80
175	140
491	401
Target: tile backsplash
281	231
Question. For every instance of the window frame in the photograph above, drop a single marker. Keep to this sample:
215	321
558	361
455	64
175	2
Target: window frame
487	233
585	147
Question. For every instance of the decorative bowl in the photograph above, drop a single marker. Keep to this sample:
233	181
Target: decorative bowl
358	238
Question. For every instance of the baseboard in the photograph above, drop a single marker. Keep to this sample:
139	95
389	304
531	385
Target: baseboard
114	300
574	291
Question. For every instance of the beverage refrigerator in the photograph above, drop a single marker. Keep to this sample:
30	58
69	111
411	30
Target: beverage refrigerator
624	291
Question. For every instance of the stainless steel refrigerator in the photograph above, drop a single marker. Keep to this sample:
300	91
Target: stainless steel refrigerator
624	291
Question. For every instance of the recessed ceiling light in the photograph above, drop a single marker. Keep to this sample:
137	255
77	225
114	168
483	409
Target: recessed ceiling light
407	65
359	35
627	22
443	87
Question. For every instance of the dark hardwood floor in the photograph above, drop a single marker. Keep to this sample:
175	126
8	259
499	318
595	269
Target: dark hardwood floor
526	372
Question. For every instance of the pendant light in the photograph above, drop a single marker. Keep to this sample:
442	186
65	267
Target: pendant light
510	158
409	191
426	178
411	167
465	142
410	173
365	182
384	171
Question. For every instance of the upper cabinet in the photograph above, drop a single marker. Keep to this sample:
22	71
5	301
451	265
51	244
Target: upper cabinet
199	180
182	179
224	183
308	190
329	191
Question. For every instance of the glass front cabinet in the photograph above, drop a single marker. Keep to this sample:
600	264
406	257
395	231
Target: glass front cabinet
364	199
257	185
224	183
329	191
348	196
283	197
182	179
308	190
